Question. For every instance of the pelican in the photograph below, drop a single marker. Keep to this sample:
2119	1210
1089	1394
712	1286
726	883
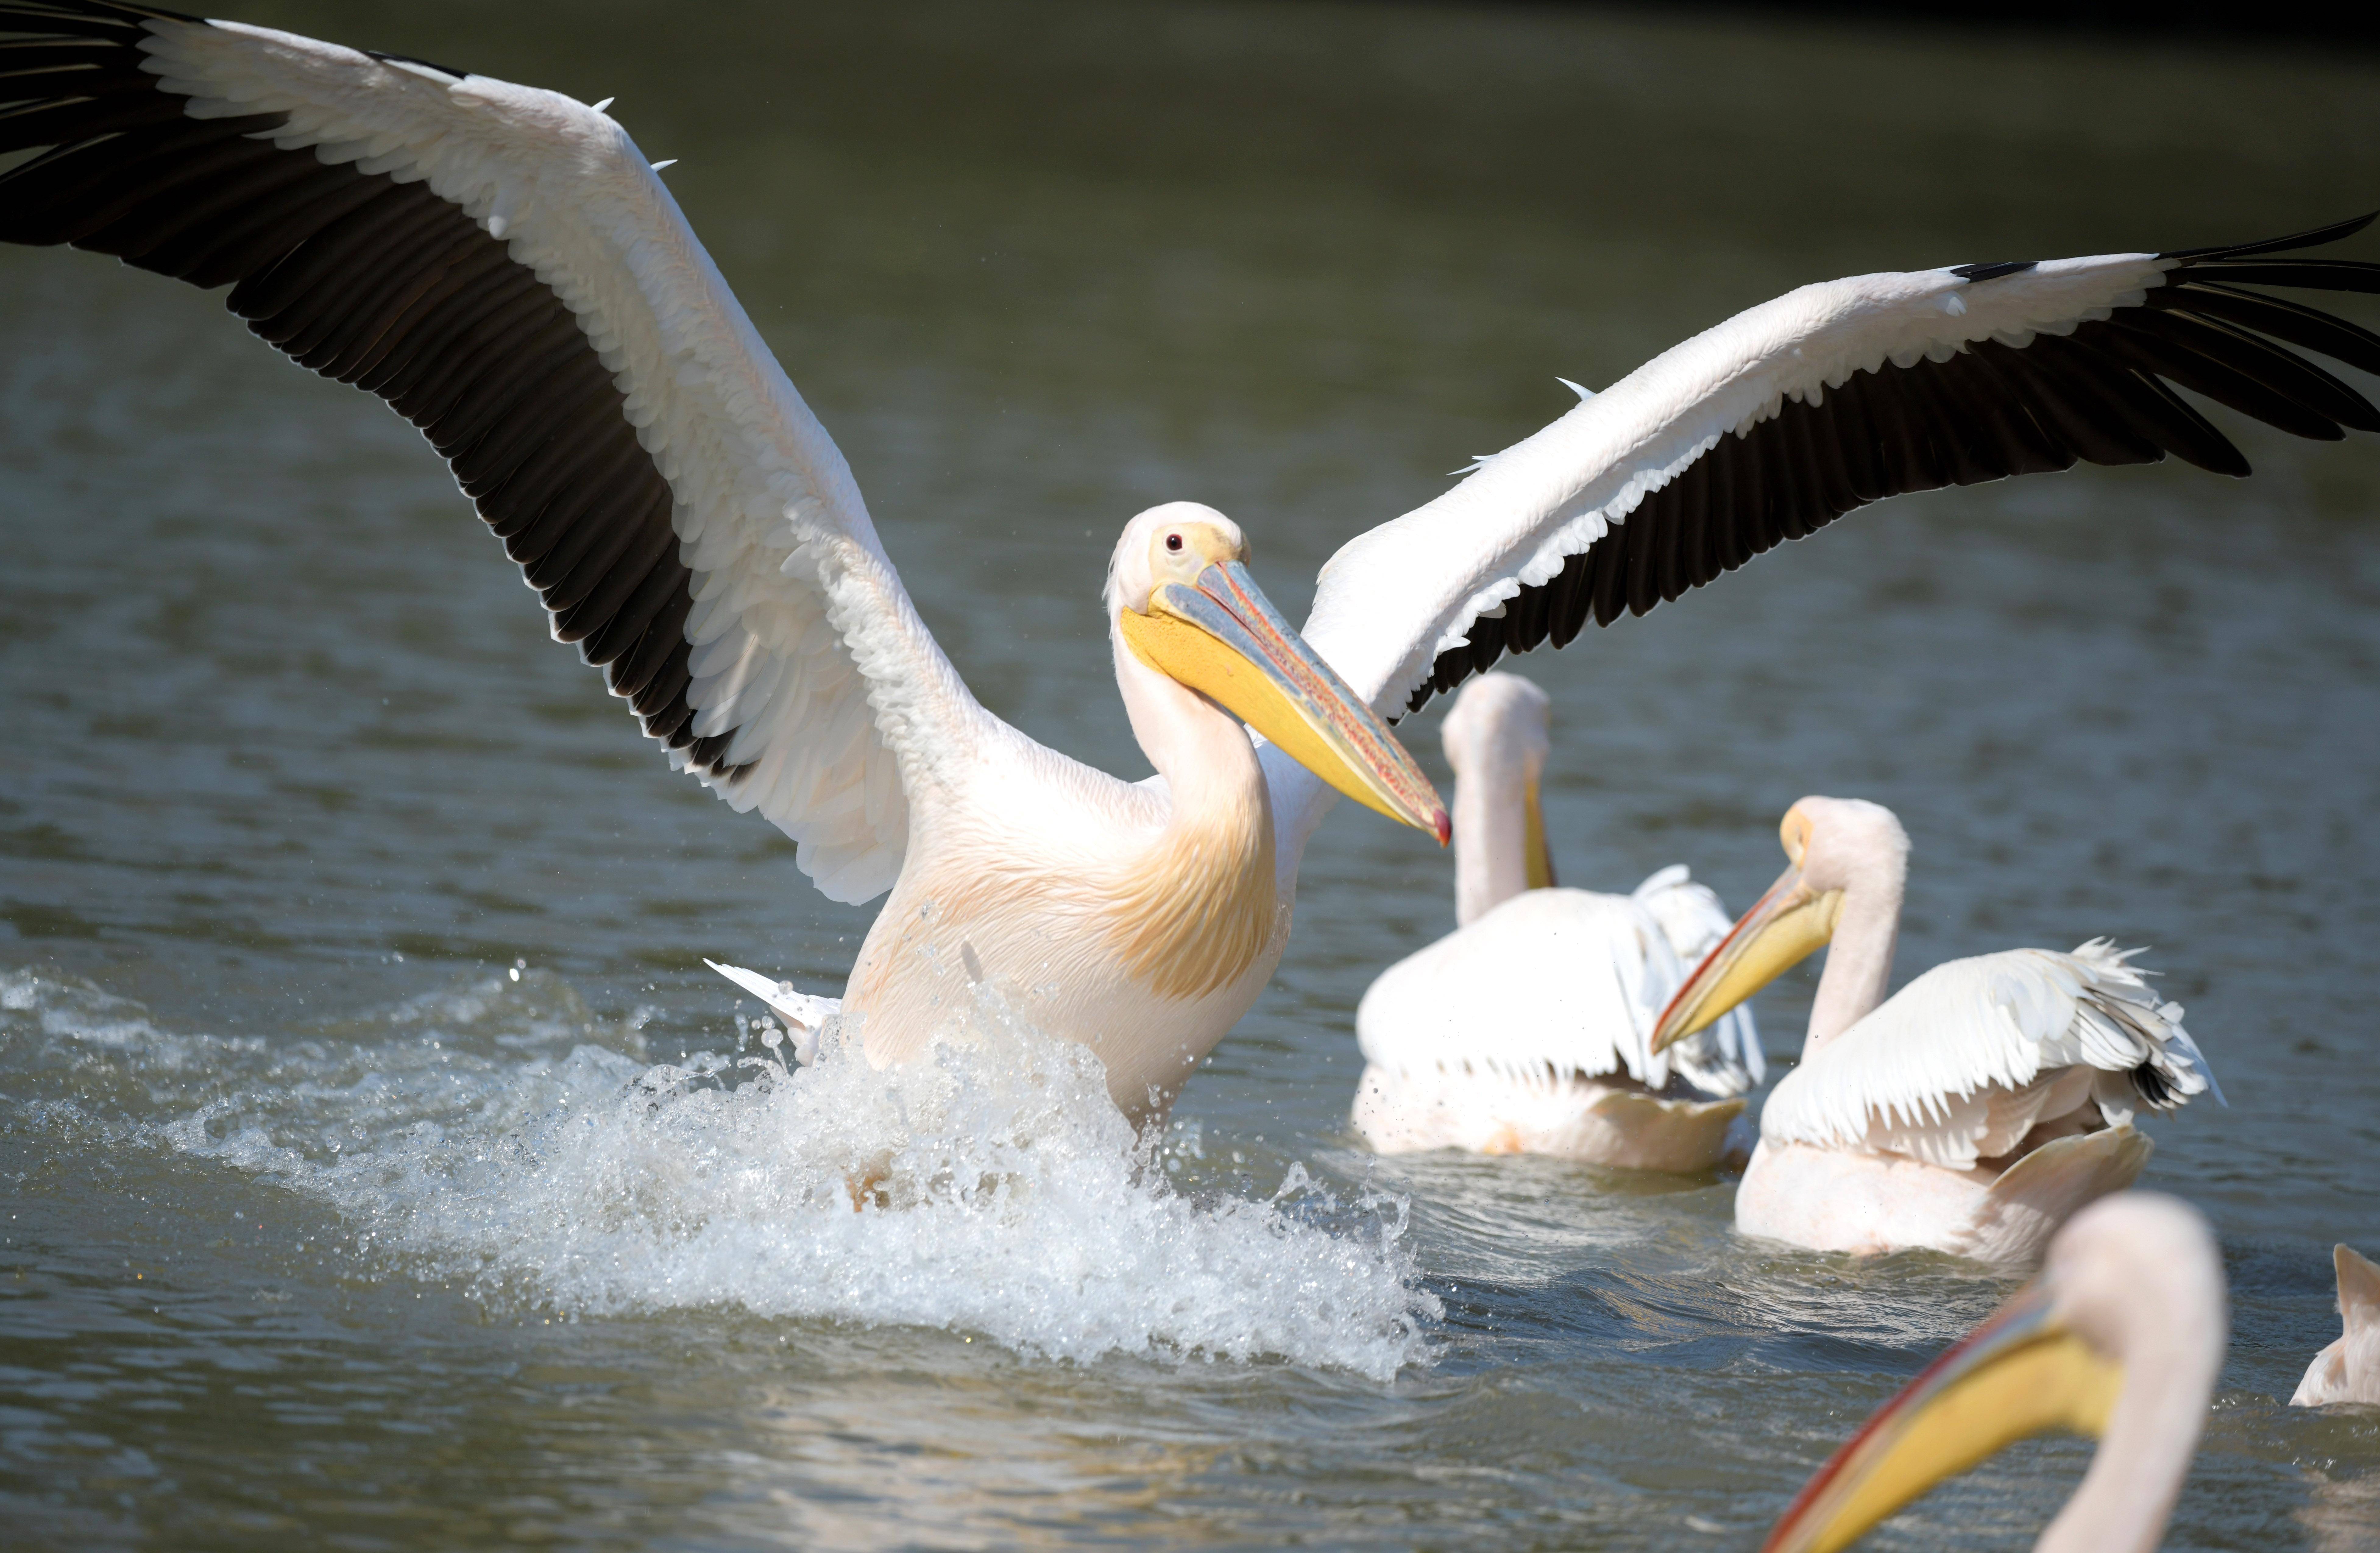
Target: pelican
2349	1370
1525	1030
506	269
2122	1337
1974	1110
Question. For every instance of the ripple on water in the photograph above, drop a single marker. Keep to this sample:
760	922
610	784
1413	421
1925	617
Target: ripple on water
492	1131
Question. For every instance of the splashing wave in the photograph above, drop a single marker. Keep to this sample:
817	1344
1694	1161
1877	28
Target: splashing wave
496	1133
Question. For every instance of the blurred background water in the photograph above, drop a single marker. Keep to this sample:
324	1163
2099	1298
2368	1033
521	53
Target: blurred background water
344	918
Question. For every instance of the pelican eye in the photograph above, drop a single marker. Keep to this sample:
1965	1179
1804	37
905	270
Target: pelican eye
1173	541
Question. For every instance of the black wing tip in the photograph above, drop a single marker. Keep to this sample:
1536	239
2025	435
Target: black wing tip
2311	238
708	756
2316	237
33	12
1993	268
29	16
358	277
416	60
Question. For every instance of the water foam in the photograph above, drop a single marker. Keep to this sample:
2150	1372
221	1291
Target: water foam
496	1134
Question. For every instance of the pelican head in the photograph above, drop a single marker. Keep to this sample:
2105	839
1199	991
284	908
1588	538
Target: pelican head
2120	1337
1832	845
1183	600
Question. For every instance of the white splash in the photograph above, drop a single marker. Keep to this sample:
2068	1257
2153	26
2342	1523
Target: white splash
496	1135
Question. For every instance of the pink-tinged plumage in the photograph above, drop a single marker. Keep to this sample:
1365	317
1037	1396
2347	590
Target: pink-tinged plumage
1972	1111
1525	1030
2348	1369
694	530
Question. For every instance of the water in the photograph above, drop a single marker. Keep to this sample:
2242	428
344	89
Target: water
325	1230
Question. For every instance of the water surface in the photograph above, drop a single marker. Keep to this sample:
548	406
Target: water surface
324	1229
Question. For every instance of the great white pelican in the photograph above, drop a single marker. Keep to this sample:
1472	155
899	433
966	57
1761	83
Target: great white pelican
2122	1337
1527	1030
506	269
1972	1111
2349	1370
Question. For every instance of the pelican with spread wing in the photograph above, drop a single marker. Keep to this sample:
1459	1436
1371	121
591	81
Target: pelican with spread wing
504	268
1972	1111
501	266
1528	1030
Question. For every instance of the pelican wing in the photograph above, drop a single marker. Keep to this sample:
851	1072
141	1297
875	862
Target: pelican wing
1556	984
1551	984
1967	1058
1785	417
501	264
1724	1057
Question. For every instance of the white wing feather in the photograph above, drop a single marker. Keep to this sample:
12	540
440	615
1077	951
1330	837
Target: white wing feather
1961	1063
1559	983
1550	983
1724	1058
1395	596
804	640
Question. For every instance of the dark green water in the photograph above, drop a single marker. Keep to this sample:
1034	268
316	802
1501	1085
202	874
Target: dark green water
323	1232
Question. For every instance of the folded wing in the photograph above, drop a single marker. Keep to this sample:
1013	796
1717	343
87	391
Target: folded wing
502	267
1724	1057
1559	984
1964	1061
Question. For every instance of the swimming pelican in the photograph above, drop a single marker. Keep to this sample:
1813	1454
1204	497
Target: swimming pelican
1525	1030
2349	1370
2122	1337
504	266
1974	1110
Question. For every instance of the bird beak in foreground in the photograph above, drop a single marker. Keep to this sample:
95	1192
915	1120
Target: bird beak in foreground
1223	638
2017	1374
1784	928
